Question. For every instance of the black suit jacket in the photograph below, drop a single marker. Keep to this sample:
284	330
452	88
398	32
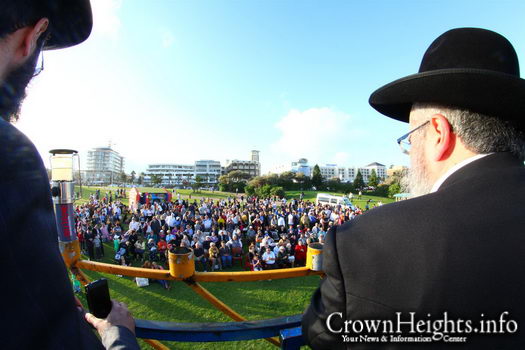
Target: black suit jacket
460	250
37	306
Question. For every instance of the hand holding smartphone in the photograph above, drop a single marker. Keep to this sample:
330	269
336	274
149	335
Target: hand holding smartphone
97	295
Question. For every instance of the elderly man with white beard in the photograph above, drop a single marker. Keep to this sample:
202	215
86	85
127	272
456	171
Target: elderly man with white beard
441	266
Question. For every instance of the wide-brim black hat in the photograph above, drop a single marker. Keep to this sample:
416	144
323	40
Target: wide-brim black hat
467	68
71	22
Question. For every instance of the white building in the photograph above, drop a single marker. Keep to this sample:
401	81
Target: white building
181	174
301	166
329	171
379	168
255	156
104	166
349	174
208	170
171	174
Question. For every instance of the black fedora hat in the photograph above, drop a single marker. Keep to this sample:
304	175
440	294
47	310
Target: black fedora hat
71	22
468	68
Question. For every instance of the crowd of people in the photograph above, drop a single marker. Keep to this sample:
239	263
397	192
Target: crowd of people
256	233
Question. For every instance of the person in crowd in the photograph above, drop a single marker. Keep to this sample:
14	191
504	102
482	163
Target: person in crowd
268	259
235	242
152	250
225	255
140	248
256	263
90	245
165	284
116	242
162	248
283	257
300	253
200	256
215	259
97	245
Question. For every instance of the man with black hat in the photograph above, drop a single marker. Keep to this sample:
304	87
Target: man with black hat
457	250
41	314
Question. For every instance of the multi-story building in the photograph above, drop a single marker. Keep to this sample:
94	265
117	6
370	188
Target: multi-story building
180	174
379	168
171	174
255	156
251	167
301	166
208	170
104	166
246	166
329	171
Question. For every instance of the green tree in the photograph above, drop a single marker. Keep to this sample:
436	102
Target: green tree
382	190
277	191
238	176
234	181
272	179
198	183
334	184
303	182
133	173
373	180
317	178
264	191
286	179
393	189
249	190
258	181
358	181
156	179
123	177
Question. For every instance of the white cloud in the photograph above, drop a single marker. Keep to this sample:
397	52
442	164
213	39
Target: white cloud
106	21
322	135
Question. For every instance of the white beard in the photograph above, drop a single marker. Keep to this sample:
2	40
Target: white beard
416	181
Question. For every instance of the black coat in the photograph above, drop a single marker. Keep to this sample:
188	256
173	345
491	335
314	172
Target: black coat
155	226
460	250
37	304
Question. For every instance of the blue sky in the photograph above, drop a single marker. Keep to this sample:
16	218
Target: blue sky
177	81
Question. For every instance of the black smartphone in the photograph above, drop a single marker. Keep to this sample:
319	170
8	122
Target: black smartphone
97	295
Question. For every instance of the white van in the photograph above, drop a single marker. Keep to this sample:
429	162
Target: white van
324	198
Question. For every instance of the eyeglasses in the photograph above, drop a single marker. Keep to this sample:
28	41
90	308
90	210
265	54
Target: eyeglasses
405	145
39	64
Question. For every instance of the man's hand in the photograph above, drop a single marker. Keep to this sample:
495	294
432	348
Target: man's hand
119	316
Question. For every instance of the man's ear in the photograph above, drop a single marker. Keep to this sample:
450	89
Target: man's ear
443	139
30	38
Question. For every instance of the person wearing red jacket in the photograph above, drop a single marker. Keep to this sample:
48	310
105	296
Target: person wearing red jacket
300	253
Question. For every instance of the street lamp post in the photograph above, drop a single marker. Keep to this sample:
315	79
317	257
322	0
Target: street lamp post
63	192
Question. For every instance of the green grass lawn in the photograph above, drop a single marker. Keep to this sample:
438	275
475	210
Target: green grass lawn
253	300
